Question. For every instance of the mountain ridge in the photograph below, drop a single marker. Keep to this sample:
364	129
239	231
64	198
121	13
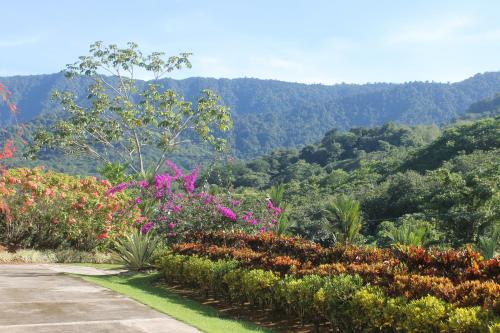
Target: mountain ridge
272	113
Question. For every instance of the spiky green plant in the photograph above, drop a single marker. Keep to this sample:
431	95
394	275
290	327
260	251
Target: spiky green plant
276	194
282	225
137	250
489	245
345	218
406	234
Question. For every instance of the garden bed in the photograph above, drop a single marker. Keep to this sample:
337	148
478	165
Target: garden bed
347	288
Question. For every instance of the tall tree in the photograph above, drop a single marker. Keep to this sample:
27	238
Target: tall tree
122	118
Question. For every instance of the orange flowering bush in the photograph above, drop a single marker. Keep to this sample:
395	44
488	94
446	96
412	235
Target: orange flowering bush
47	209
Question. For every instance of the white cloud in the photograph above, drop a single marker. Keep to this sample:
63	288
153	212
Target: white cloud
213	66
20	41
493	35
438	31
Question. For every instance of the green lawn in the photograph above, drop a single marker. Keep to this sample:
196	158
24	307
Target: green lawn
141	287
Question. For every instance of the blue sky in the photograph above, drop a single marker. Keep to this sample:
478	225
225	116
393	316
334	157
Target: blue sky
300	41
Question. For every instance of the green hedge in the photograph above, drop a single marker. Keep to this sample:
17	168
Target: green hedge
343	301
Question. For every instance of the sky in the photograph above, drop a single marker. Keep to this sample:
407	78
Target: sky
309	41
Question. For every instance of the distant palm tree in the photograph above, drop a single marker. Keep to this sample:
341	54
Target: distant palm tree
345	218
276	195
406	234
489	246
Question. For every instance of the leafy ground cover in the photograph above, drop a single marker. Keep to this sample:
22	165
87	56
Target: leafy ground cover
142	287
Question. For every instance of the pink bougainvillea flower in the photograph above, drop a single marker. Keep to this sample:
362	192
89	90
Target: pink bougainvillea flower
147	227
142	183
247	216
190	180
177	171
275	211
227	212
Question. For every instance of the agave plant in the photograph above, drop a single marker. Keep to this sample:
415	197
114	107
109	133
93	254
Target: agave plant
137	250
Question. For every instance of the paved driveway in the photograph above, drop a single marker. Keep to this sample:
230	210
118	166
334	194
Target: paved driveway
41	298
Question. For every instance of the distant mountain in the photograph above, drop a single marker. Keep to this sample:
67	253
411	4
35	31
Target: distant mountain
489	107
270	114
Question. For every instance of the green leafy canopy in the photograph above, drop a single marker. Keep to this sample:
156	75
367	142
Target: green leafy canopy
123	118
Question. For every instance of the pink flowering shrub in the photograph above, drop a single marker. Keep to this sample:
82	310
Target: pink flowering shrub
173	206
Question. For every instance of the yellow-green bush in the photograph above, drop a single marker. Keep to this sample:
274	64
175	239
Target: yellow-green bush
426	314
371	302
468	320
205	274
197	271
171	267
299	295
334	299
234	281
257	285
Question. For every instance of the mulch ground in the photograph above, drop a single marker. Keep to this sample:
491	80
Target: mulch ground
267	318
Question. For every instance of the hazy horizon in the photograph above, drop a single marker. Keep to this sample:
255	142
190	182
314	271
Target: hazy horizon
295	82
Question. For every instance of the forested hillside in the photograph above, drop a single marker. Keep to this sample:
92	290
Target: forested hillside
484	108
270	114
444	185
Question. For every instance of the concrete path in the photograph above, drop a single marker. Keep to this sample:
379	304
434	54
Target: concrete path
42	299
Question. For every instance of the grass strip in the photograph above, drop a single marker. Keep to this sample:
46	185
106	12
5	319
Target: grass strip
141	287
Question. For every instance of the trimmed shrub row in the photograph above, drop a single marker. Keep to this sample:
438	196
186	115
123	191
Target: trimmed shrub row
394	279
458	265
343	301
